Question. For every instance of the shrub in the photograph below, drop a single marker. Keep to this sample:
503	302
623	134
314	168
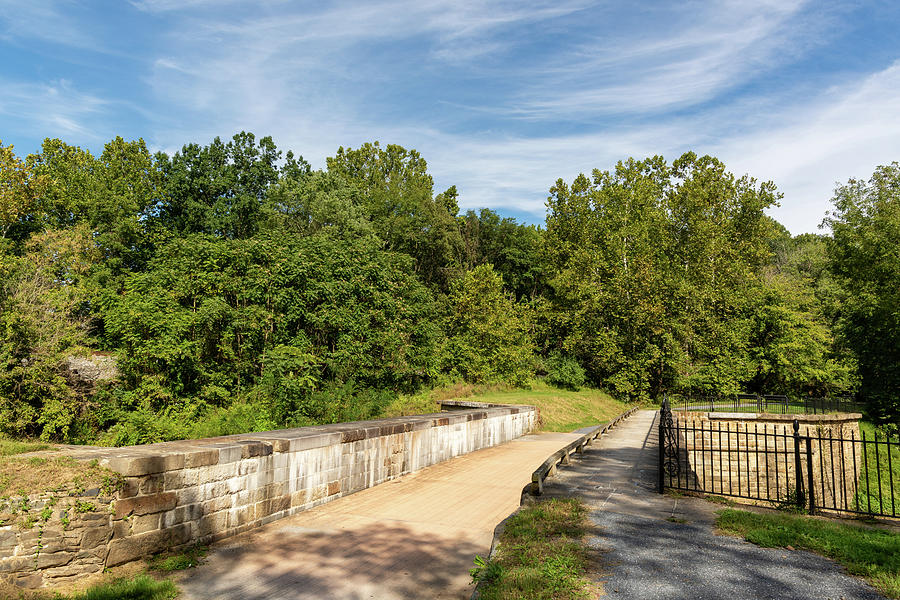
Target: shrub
564	372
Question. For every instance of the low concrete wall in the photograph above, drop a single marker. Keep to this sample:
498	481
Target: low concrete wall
200	491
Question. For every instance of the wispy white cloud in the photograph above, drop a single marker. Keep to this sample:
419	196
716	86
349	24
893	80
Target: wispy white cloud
26	21
805	147
55	106
719	47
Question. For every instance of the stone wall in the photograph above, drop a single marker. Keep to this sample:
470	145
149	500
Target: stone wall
752	455
199	491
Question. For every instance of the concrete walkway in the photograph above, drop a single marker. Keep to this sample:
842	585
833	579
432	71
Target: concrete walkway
414	537
648	557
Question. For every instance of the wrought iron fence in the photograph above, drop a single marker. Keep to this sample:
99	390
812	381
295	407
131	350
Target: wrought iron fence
822	468
768	403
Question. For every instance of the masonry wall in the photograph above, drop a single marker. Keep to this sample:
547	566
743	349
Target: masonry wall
199	491
752	455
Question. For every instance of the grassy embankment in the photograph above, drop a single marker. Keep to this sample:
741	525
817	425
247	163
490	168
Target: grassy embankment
541	555
875	492
561	410
866	552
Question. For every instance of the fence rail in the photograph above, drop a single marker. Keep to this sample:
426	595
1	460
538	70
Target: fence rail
768	403
824	468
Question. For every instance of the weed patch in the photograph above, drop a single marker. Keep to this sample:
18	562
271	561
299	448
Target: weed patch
541	555
188	559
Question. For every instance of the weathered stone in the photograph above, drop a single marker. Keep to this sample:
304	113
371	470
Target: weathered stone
144	523
211	524
253	448
138	546
144	505
16	564
30	581
200	458
144	464
120	529
54	559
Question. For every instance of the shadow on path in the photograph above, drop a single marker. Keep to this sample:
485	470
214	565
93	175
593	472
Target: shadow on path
386	561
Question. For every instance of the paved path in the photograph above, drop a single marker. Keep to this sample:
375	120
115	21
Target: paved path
414	537
648	557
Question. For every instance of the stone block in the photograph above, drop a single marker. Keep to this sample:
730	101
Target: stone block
251	448
272	506
30	581
173	480
189	495
131	487
53	559
214	523
153	484
143	464
247	466
121	529
144	523
216	504
95	536
201	458
299	498
134	547
16	564
145	505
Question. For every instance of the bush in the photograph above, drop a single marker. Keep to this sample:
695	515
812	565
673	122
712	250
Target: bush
564	372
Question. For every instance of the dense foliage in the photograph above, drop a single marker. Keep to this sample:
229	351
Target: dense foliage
235	288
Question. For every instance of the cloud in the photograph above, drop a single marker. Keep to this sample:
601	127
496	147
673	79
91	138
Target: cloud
806	148
42	21
55	106
846	132
688	61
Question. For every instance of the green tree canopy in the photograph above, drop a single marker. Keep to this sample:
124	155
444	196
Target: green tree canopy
865	259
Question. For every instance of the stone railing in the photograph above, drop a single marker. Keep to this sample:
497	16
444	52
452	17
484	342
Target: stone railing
199	491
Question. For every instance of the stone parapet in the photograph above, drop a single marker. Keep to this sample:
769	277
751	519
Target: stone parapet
199	491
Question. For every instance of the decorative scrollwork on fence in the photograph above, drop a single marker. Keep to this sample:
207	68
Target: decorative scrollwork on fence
671	463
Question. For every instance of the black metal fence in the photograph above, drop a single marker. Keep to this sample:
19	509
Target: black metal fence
819	468
768	403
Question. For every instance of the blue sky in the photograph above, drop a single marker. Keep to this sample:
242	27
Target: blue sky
501	98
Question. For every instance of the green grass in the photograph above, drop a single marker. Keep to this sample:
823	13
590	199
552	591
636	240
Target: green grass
540	555
561	410
866	552
139	587
142	587
878	499
9	447
178	562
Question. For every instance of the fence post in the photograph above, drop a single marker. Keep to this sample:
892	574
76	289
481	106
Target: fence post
809	476
798	470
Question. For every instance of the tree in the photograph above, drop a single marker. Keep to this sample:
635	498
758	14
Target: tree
220	189
396	194
514	249
652	269
487	332
20	192
864	258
